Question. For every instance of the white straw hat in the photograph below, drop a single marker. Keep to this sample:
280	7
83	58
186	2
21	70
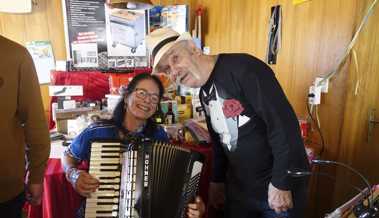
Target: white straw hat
161	40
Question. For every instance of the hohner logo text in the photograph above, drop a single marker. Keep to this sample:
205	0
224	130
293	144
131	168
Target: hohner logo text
146	171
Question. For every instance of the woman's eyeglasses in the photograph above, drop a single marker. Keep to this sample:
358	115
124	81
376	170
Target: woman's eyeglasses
142	94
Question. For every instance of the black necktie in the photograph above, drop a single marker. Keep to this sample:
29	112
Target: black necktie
210	96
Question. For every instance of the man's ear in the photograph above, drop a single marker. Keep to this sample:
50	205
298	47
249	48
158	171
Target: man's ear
194	49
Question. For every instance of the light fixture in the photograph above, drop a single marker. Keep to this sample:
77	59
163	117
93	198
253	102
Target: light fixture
16	6
131	4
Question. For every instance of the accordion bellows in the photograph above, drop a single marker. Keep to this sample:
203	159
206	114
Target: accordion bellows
144	179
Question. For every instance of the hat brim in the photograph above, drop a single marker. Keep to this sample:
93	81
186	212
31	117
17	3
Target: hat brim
162	51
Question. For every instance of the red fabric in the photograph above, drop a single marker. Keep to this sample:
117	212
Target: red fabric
59	199
95	85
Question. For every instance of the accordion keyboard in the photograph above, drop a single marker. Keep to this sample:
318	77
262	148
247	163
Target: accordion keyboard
105	166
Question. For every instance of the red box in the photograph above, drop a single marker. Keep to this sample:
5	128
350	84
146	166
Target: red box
304	128
117	80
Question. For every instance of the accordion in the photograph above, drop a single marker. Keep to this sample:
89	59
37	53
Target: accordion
143	179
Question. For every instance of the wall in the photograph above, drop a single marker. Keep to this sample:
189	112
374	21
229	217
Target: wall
362	95
45	23
315	35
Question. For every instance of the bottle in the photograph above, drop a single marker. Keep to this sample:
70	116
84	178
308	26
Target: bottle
158	117
170	116
103	104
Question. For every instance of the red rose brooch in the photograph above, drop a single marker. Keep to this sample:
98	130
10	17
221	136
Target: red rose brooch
232	108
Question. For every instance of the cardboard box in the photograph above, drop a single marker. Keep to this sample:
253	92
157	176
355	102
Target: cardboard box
62	115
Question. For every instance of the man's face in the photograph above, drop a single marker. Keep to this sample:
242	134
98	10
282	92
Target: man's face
182	65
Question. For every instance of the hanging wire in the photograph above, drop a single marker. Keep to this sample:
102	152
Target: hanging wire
358	83
339	66
351	44
310	113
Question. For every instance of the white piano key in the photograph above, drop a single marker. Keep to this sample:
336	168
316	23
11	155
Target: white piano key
99	167
114	180
105	154
101	192
102	200
97	214
104	160
104	194
108	156
90	215
105	144
117	187
99	149
102	207
105	173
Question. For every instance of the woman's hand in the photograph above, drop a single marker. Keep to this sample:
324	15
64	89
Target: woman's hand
196	209
84	183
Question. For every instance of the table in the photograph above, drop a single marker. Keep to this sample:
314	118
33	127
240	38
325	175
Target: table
59	199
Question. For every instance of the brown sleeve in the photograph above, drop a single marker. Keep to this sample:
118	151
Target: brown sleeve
30	110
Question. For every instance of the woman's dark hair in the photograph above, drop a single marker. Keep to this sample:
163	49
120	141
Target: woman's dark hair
119	111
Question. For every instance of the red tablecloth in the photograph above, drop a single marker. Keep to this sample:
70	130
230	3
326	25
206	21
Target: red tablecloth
60	200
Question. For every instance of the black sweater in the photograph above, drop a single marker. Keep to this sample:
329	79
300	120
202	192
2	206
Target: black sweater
251	155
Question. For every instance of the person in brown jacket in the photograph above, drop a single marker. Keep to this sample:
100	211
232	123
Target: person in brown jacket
24	135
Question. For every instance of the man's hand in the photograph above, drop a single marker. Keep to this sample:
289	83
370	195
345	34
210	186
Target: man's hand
279	200
86	184
196	209
217	195
34	193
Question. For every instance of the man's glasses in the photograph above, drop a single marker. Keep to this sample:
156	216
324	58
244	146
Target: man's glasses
142	94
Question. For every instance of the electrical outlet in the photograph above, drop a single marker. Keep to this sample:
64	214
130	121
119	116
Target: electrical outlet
317	98
311	94
324	85
314	96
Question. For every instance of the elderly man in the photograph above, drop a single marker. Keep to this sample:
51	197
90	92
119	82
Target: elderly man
23	130
254	128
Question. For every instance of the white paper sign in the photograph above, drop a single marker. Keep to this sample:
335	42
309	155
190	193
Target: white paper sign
65	90
43	58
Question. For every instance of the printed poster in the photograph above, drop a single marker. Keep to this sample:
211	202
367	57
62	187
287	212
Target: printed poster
43	58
